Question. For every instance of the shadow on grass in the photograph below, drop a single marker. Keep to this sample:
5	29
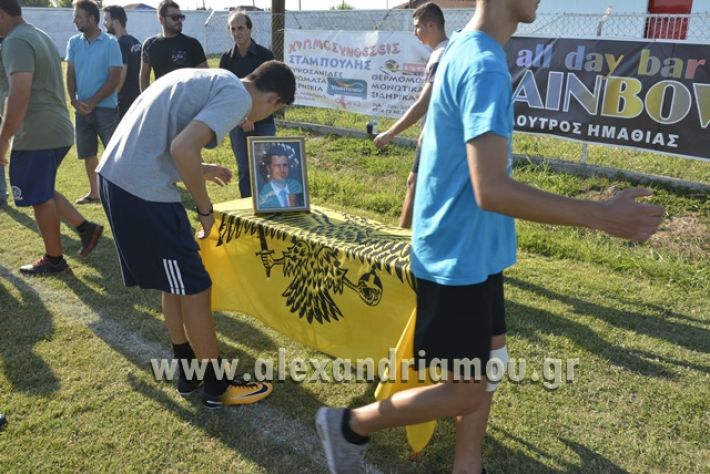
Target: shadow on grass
394	451
526	321
257	432
26	321
70	245
239	330
141	337
589	461
21	218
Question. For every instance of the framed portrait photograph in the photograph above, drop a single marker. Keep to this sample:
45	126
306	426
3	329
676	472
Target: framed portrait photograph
277	167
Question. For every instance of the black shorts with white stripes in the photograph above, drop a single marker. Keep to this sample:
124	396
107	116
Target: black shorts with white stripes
155	243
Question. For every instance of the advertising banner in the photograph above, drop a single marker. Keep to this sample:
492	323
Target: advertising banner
649	95
369	72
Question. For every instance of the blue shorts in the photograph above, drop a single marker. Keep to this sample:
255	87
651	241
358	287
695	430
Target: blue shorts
102	121
33	173
155	243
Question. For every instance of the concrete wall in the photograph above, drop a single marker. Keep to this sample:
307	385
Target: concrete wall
57	22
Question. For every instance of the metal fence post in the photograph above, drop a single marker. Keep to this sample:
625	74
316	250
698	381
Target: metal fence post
600	31
277	28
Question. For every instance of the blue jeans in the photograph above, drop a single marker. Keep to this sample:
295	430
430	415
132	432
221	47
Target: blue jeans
3	183
239	147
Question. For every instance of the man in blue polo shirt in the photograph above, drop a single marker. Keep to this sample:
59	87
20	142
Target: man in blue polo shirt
94	65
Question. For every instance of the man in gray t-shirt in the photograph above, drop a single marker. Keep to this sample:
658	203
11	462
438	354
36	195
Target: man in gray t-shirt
139	160
158	143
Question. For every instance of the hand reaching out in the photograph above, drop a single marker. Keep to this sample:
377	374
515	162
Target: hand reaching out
247	126
382	140
207	223
628	219
217	174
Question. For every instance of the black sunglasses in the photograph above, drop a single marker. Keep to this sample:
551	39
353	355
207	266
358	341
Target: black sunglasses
175	17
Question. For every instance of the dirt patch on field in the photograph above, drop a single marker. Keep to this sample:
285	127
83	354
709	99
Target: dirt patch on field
599	194
686	235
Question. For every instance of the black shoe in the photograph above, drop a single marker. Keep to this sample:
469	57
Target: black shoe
3	421
44	267
89	237
186	387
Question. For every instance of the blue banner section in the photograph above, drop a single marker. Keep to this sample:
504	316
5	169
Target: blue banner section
347	87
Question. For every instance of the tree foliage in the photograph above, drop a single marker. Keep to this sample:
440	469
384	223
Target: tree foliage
65	3
62	3
342	6
35	3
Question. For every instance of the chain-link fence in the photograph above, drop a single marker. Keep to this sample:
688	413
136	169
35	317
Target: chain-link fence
694	27
210	28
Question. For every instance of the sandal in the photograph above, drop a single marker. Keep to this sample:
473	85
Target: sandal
87	200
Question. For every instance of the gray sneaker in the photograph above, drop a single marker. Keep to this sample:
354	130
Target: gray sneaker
343	456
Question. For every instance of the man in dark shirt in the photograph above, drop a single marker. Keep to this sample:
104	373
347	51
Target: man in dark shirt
115	20
242	59
169	50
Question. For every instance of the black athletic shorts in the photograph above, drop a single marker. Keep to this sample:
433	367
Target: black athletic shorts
457	322
155	242
417	156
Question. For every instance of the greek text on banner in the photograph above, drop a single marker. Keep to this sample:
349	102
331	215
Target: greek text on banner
369	72
651	95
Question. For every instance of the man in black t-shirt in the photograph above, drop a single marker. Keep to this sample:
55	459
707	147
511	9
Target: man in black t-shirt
115	20
169	50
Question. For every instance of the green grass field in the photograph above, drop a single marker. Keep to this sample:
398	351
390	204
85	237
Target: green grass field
79	395
534	145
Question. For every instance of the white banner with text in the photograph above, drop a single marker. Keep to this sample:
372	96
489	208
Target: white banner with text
378	73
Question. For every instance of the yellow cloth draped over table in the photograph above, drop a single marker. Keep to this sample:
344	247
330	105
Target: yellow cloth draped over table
335	282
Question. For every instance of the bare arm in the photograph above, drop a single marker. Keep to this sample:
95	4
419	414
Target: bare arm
495	191
186	150
114	78
18	98
415	112
144	75
71	84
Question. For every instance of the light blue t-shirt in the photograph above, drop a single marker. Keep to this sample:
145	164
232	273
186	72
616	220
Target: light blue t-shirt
454	242
92	61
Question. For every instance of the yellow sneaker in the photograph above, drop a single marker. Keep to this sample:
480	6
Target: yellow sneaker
239	393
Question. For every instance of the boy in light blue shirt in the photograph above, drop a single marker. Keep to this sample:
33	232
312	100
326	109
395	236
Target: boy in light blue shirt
462	240
454	241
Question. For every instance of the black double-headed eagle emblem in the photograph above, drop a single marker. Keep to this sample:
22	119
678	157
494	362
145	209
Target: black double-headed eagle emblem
312	260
